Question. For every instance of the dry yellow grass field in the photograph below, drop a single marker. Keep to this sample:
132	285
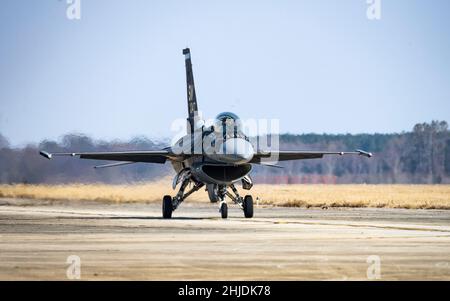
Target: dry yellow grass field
389	196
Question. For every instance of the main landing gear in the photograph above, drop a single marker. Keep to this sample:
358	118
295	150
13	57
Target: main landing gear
167	207
169	204
247	206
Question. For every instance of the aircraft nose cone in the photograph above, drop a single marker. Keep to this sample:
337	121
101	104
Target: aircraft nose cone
237	150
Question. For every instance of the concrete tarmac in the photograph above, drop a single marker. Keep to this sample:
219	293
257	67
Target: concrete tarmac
132	242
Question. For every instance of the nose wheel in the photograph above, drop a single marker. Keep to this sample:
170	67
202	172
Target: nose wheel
224	210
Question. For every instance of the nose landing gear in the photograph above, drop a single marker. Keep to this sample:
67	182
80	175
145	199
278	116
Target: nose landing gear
224	210
223	206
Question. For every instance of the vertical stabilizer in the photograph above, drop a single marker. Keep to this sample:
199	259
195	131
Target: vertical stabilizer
191	97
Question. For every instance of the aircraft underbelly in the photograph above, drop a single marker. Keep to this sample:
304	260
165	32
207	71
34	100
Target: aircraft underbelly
224	174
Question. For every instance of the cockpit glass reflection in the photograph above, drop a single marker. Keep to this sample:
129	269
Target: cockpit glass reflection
228	124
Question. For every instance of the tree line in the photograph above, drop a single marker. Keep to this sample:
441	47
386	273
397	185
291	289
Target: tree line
421	155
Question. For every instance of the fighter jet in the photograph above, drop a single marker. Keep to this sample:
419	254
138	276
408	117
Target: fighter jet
216	157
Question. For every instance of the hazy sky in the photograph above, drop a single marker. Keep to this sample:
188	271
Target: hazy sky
317	65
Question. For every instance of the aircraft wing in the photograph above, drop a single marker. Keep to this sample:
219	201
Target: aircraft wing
300	155
159	156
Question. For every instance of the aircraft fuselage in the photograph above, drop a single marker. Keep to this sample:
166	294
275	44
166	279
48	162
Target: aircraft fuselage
213	157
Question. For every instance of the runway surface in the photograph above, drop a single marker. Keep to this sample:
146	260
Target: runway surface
131	241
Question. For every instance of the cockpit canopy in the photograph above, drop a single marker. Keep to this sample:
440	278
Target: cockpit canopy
228	121
229	125
227	115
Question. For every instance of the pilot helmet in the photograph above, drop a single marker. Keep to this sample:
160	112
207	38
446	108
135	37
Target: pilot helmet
229	120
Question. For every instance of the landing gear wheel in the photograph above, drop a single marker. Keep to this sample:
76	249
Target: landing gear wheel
167	207
224	210
248	206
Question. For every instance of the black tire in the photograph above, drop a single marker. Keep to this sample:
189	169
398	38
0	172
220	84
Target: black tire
224	210
167	207
248	206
